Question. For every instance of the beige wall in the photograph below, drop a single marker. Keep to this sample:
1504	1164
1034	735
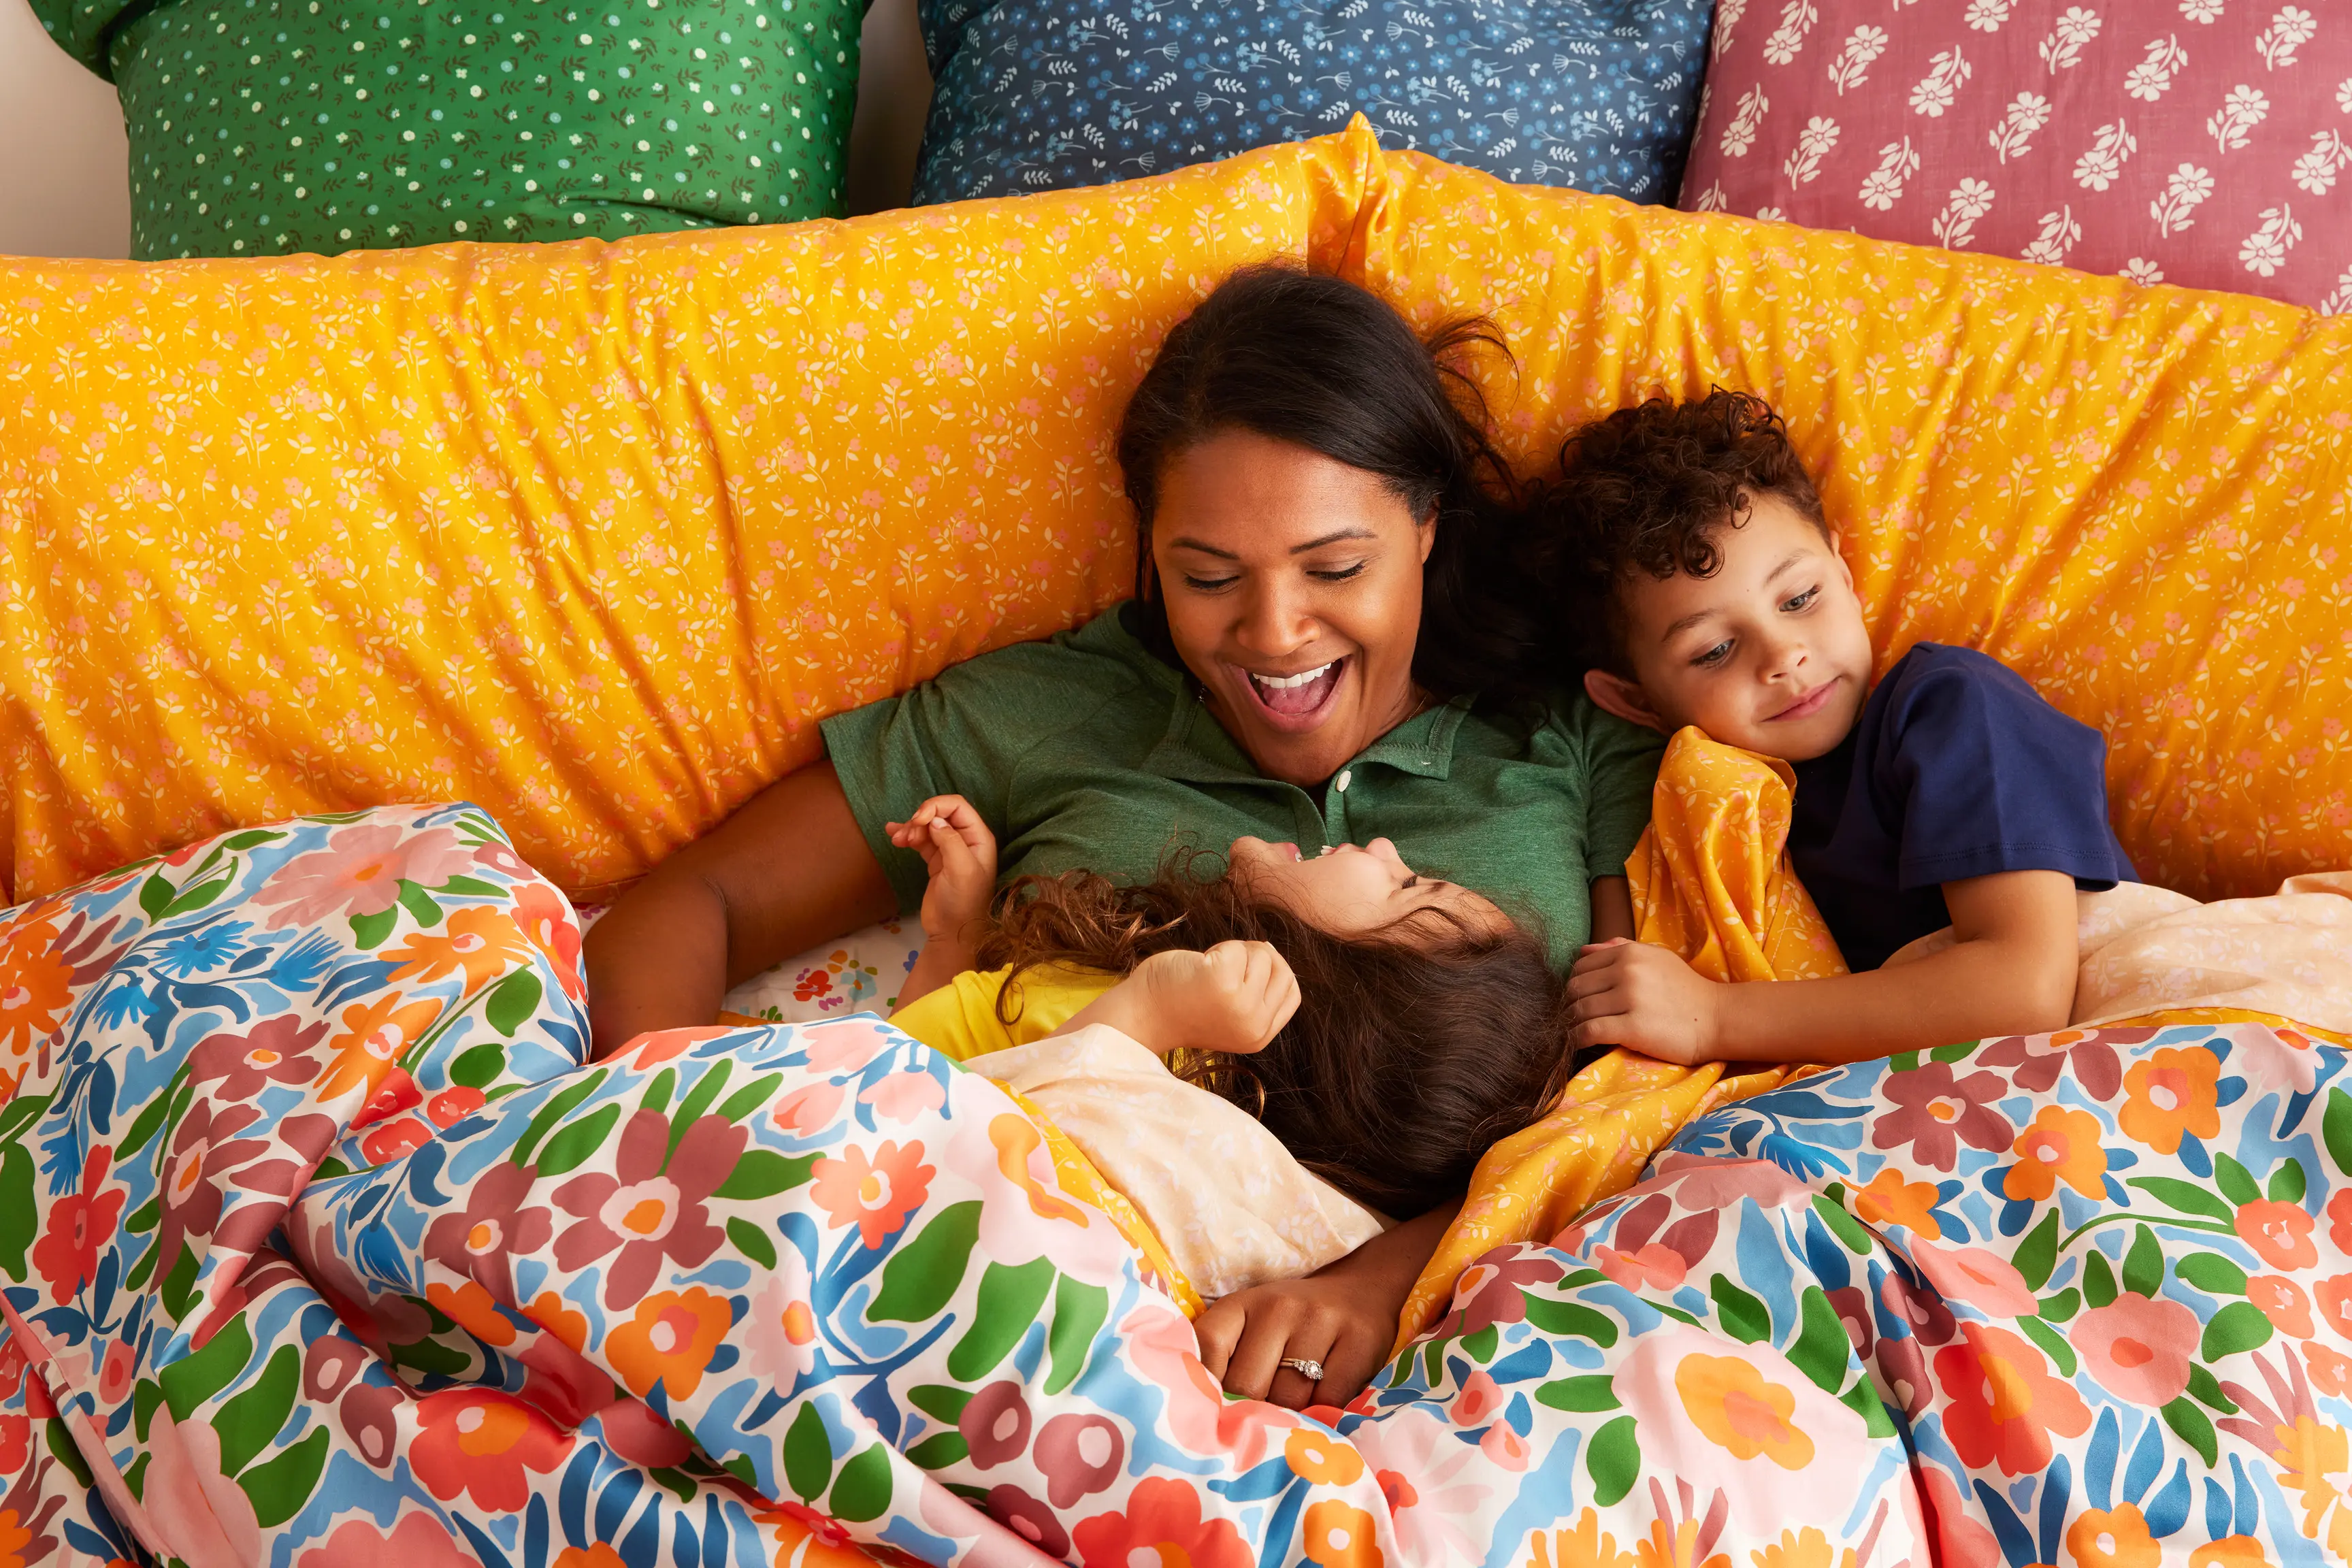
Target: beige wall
64	180
64	188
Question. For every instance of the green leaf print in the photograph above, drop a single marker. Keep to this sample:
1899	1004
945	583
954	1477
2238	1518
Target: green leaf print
281	1488
251	1421
863	1489
188	1382
763	1173
2237	1183
1615	1461
1008	1301
2240	1326
808	1455
1742	1316
1080	1311
512	1002
918	1281
2194	1427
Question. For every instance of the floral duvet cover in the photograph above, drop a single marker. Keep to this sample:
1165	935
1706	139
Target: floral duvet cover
321	1247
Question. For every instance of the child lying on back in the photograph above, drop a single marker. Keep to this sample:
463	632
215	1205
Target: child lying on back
1948	794
1381	1027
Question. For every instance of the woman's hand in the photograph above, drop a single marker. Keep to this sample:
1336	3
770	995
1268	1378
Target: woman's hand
959	853
1642	998
1342	1317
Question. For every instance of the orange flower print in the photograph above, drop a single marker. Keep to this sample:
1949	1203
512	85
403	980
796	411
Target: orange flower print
1891	1200
14	1540
484	943
1582	1545
551	1312
1161	1523
2334	1297
2331	1370
2280	1233
875	1193
485	1444
2309	1456
371	1037
1738	1410
2282	1302
2171	1093
671	1341
2339	1219
2003	1404
547	924
1675	1545
2117	1539
1807	1548
597	1556
1336	1535
2230	1552
1315	1455
472	1309
34	985
2062	1145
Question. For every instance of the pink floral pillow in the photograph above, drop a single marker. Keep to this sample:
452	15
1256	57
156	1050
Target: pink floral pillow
2202	143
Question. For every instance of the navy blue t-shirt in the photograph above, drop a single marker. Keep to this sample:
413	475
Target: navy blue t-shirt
1955	769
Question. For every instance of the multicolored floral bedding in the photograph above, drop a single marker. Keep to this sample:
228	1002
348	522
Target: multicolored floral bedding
323	1249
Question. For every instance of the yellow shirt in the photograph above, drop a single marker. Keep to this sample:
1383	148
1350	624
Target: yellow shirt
959	1020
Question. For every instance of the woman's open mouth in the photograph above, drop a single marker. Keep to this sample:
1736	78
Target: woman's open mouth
1295	702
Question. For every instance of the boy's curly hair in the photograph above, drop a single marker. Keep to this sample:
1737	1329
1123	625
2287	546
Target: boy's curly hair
1647	488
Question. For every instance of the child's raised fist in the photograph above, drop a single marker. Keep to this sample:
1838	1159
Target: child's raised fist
1234	997
959	853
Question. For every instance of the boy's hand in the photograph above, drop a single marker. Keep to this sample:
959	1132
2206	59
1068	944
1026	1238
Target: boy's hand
959	853
1234	997
1642	998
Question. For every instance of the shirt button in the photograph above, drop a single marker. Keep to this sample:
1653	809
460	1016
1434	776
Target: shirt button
1340	783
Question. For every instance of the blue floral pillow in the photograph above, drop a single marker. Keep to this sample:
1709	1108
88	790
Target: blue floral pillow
1041	94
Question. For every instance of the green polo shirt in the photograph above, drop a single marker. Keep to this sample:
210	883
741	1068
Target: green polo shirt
1088	751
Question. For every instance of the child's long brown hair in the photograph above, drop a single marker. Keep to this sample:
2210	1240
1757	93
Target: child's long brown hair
1412	1049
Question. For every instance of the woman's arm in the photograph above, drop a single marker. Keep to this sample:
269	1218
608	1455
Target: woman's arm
2009	970
1612	908
788	870
1344	1315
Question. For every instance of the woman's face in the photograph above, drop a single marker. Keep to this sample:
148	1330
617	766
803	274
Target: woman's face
1353	890
1293	591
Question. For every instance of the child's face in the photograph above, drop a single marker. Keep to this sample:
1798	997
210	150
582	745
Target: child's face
1768	654
1352	889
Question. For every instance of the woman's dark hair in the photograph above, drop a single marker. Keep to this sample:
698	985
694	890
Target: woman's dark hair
1648	489
1413	1048
1321	364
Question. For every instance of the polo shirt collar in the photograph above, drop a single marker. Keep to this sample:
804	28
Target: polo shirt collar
1196	749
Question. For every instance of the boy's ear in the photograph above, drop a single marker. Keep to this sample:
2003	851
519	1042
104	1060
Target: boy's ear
1625	698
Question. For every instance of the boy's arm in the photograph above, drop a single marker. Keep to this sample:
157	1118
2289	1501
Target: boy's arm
2009	970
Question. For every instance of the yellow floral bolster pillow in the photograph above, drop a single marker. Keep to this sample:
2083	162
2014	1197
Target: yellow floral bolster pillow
589	534
593	535
2139	499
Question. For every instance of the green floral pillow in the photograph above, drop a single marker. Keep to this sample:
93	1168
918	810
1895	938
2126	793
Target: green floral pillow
261	127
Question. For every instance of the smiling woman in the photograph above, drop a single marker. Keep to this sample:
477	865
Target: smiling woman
1321	655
